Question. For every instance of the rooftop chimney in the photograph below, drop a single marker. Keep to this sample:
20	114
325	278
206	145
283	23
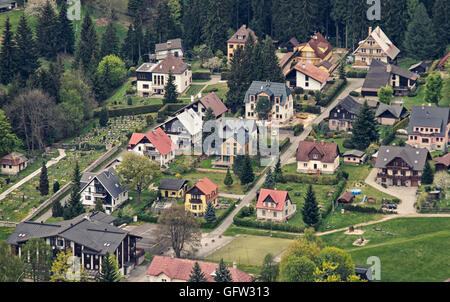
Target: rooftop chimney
370	30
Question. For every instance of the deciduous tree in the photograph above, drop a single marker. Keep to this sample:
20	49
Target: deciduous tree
37	255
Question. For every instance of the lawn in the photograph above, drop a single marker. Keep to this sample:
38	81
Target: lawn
218	179
5	232
418	100
406	62
220	89
410	249
14	18
193	90
247	249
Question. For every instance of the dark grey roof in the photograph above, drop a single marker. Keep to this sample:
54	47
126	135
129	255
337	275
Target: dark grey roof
7	1
108	179
170	44
420	64
364	272
377	76
270	88
350	104
326	64
399	112
93	230
172	184
435	117
414	157
356	153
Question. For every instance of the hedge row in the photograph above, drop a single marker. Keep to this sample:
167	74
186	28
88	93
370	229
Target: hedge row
284	144
332	92
313	180
356	208
339	189
215	223
356	74
201	76
136	110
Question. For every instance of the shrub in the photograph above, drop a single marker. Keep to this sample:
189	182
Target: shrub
356	74
331	92
298	129
130	101
224	76
137	110
348	144
355	94
412	94
299	90
284	144
356	208
201	76
305	97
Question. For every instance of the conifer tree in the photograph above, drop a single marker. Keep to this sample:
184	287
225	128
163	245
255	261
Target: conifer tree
99	206
170	91
210	213
310	210
215	30
87	54
364	129
394	16
247	176
66	36
57	209
8	52
43	180
269	183
110	42
47	32
441	24
127	50
103	117
228	181
278	173
222	273
427	174
110	269
272	70
196	274
74	207
26	50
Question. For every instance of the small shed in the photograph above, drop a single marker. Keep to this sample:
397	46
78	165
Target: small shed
354	157
419	67
442	163
346	198
13	163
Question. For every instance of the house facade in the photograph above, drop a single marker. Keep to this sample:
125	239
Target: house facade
197	198
429	127
344	114
354	157
13	163
238	40
278	94
104	186
89	236
276	206
307	76
376	47
401	166
168	269
317	157
156	145
388	115
173	188
201	105
171	47
152	78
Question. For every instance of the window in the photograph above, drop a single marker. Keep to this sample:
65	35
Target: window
325	166
145	86
315	156
274	214
305	165
88	197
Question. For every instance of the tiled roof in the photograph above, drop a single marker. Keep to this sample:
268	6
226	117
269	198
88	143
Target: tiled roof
444	160
180	269
329	151
312	71
161	141
346	197
355	153
433	117
278	197
443	61
14	159
244	32
350	104
270	88
414	157
398	112
170	64
379	75
212	101
109	180
206	186
172	184
170	44
136	138
318	42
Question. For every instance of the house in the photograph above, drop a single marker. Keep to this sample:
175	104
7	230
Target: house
156	145
317	157
307	76
173	47
89	236
238	39
276	206
429	127
291	44
185	131
316	51
173	188
354	157
104	186
401	166
388	115
442	163
13	163
442	62
169	269
419	67
346	198
278	94
344	114
7	5
376	47
197	198
382	75
202	104
152	78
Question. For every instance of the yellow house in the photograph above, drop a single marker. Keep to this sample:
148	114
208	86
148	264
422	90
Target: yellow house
198	197
238	40
173	188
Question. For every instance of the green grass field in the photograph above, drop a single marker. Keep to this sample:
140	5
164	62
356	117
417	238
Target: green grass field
5	232
222	89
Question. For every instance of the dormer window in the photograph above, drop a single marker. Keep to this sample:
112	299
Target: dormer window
315	156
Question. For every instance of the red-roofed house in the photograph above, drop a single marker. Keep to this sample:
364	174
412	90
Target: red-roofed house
238	40
167	269
197	198
13	163
307	76
317	157
442	163
442	62
275	206
157	145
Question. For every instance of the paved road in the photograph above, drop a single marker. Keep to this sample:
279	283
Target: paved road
62	154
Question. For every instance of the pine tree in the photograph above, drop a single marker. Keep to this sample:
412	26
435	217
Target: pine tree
420	39
57	209
278	173
228	181
364	129
196	274
170	91
272	70
310	210
74	207
215	30
222	273
88	49
247	176
43	181
66	36
427	174
8	53
110	42
210	213
110	269
26	50
269	183
441	23
47	32
103	117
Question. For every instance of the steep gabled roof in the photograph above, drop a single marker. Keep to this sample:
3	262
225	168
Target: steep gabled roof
383	41
278	197
433	117
212	101
161	141
172	184
107	178
329	151
398	112
191	121
350	104
320	45
206	186
244	32
414	157
312	71
169	45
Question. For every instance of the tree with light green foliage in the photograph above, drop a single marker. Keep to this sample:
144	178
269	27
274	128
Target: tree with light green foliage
112	69
8	140
385	95
12	268
433	88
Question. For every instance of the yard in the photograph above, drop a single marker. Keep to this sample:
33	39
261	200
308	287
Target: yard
410	249
5	232
220	89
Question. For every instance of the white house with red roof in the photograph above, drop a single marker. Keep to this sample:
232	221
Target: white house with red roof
273	205
167	269
307	76
156	145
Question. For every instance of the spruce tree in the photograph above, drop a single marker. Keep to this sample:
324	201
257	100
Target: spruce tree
394	16
26	50
103	117
364	129
269	183
66	36
110	42
222	273
210	213
8	52
247	176
170	91
272	70
128	53
228	181
196	274
88	49
57	209
47	32
43	180
310	210
215	30
74	207
278	173
427	174
441	24
238	79
109	271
